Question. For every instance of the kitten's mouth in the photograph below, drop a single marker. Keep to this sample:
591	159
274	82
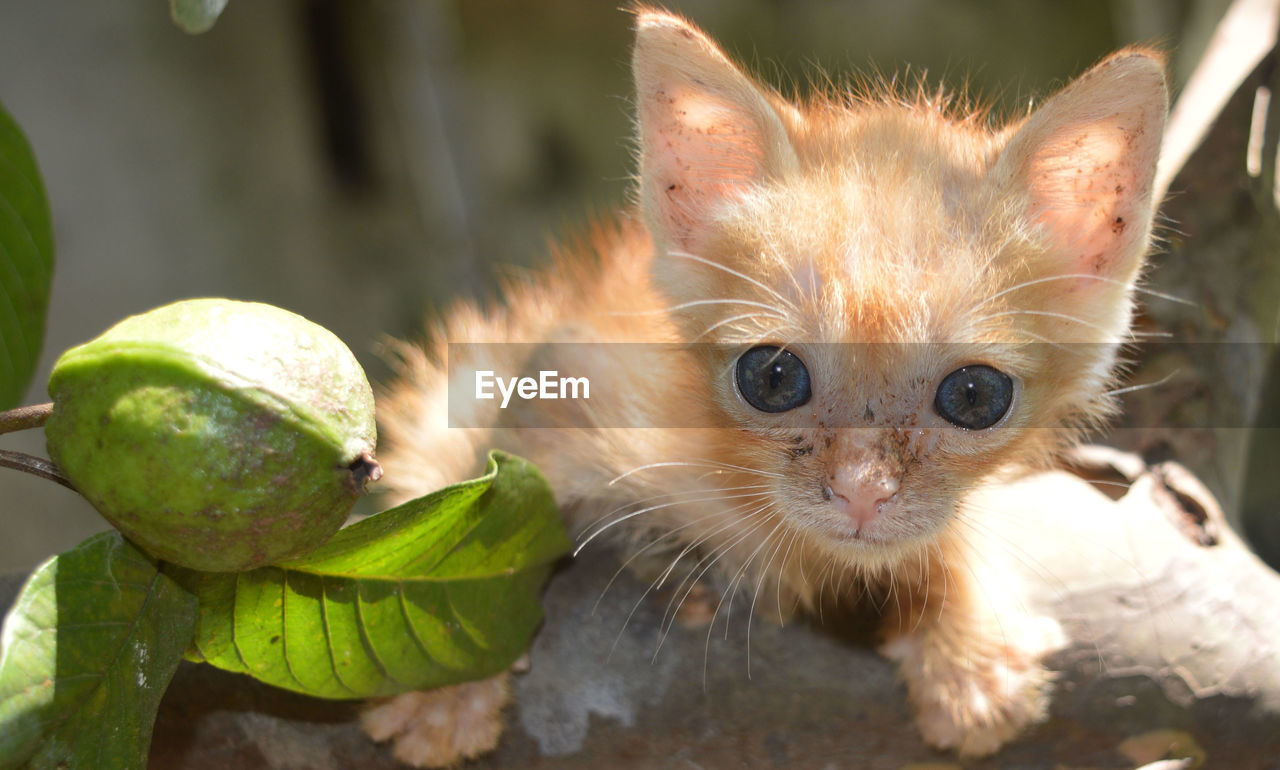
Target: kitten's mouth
860	520
881	534
862	534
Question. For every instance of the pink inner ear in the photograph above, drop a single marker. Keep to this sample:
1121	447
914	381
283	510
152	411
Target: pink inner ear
1090	189
699	149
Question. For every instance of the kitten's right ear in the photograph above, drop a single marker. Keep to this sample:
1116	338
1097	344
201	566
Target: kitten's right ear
706	130
1084	164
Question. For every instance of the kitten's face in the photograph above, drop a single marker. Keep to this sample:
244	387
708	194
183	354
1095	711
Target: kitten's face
905	303
872	366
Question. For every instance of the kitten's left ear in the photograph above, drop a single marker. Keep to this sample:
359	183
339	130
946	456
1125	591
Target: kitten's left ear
1085	162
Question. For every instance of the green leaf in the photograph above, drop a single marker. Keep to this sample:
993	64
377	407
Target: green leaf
442	589
86	654
196	16
26	261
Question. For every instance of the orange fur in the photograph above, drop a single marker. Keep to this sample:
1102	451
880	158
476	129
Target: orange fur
884	240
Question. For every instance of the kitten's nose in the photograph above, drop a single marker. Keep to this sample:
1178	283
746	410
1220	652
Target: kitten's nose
860	490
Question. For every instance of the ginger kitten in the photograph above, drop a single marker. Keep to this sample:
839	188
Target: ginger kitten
855	310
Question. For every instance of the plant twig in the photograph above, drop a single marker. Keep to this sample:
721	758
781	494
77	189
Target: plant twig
25	417
1244	36
36	466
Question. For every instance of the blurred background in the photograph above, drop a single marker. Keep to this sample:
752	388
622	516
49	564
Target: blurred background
365	162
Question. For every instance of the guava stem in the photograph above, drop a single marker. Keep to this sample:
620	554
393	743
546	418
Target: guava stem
36	466
363	470
25	417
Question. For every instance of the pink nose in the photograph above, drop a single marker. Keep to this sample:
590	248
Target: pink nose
860	490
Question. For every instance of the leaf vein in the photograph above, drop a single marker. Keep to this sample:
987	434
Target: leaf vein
368	641
284	630
235	628
142	611
328	635
408	622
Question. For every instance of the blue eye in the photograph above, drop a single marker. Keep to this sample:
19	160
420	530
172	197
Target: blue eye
772	379
974	397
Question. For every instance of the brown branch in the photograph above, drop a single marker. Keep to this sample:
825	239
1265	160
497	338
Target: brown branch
25	417
36	466
1246	34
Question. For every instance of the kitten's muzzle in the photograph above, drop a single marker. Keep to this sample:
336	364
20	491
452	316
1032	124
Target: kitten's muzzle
861	490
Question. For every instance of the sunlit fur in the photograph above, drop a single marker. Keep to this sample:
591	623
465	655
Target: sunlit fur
850	218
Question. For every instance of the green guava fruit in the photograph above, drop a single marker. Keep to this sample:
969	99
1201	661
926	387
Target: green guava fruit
218	435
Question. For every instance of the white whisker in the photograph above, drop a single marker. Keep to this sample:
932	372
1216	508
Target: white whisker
710	560
668	534
751	611
1044	314
767	289
662	578
742	572
729	592
782	570
694	464
714	497
1146	385
1085	276
735	319
743	302
669	496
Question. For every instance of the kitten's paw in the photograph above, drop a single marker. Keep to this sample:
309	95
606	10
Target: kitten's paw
976	712
441	727
975	703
